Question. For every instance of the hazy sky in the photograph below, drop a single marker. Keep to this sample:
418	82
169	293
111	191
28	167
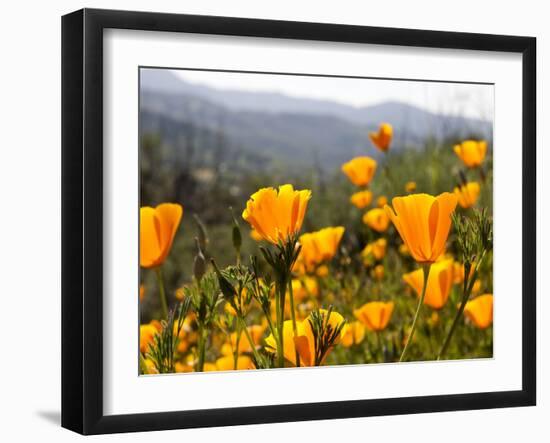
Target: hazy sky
448	98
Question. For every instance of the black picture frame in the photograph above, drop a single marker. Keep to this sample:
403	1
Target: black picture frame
82	220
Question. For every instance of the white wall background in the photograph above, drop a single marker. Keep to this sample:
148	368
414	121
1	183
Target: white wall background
30	218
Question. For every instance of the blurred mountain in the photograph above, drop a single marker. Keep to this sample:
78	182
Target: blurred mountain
279	126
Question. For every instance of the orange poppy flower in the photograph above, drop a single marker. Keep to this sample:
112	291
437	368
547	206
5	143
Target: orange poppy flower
423	222
378	272
227	363
147	334
480	311
440	282
157	230
304	342
471	152
375	315
410	187
361	199
383	137
304	287
360	170
381	201
377	219
256	333
467	194
319	246
376	249
277	215
352	334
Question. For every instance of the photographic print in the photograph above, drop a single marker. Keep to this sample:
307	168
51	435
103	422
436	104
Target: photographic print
290	220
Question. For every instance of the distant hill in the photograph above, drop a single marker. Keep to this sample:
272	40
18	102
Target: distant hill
278	126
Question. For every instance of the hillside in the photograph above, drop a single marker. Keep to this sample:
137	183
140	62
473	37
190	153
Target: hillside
283	128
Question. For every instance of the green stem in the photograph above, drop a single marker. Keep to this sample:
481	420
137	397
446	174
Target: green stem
453	327
360	284
280	321
201	346
293	316
426	269
250	341
237	344
380	347
467	290
387	170
238	252
482	174
269	321
162	293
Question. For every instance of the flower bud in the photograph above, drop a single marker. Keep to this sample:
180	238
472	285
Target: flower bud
227	289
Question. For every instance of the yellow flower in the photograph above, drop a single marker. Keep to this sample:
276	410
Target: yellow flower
467	194
255	331
185	336
471	152
381	201
188	335
352	334
319	246
150	367
480	311
459	272
360	170
157	230
410	187
210	367
423	222
147	333
229	310
382	138
180	293
322	271
378	272
376	249
440	282
476	287
228	364
361	199
183	367
305	341
403	250
299	267
445	256
277	216
304	287
375	315
289	348
377	219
